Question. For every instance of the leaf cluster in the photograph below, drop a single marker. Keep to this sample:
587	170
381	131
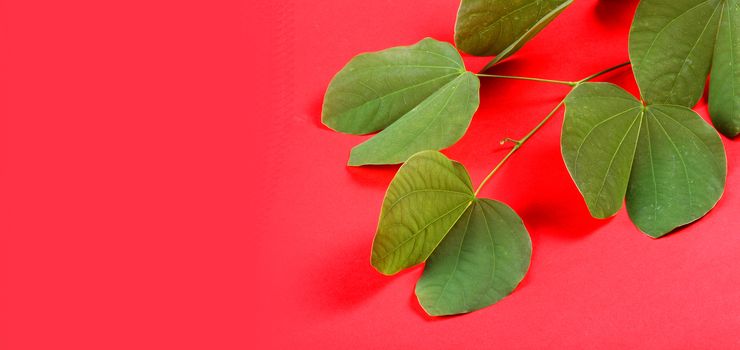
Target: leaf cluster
653	152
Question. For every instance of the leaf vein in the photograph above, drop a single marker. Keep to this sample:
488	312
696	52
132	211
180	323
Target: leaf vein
457	258
611	162
678	153
413	235
578	150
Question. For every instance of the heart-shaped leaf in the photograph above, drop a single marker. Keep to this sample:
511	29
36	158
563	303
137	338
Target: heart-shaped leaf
501	27
668	162
480	261
479	248
672	45
421	93
424	200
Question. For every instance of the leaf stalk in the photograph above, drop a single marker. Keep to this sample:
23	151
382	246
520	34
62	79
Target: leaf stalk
541	80
554	81
519	143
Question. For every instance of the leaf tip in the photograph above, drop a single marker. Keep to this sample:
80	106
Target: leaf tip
428	309
382	269
379	265
601	214
353	162
356	158
328	122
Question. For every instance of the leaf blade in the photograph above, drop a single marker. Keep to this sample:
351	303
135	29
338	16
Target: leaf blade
599	137
436	123
500	28
425	199
678	167
375	89
670	46
481	260
531	32
679	170
724	86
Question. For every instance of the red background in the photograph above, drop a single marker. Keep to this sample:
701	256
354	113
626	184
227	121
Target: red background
165	182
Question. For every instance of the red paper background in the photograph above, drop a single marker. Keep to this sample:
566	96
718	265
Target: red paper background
165	182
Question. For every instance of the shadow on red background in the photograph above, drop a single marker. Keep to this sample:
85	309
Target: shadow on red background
347	279
615	12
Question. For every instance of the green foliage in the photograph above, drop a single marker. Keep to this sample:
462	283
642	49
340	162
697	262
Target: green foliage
501	27
421	95
724	90
436	123
424	200
484	250
667	161
674	43
655	153
482	259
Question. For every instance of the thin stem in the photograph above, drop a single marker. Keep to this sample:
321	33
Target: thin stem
518	143
495	169
561	82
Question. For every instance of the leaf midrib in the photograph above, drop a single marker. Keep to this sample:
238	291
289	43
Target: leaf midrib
693	47
379	98
652	172
493	249
457	63
578	151
413	235
399	199
703	143
457	258
400	66
505	52
619	147
637	63
680	156
489	26
454	85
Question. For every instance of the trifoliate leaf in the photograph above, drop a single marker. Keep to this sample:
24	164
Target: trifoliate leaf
436	123
668	162
421	93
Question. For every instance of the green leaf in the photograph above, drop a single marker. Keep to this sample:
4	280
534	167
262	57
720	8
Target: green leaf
724	89
424	200
480	249
500	27
665	159
598	143
480	261
421	93
375	89
672	45
436	123
679	170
